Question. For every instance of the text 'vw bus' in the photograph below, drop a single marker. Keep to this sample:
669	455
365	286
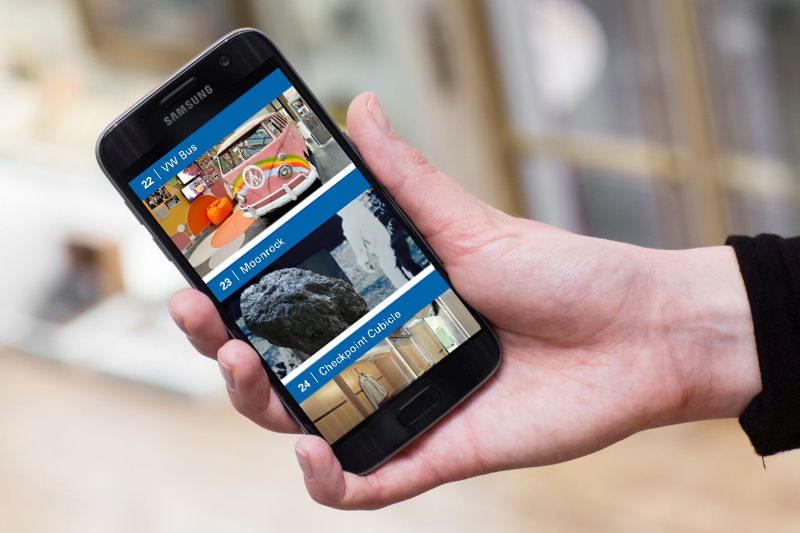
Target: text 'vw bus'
266	163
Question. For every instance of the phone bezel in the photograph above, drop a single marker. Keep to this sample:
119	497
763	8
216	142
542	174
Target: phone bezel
381	435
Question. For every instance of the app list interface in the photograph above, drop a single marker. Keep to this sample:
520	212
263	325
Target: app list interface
326	284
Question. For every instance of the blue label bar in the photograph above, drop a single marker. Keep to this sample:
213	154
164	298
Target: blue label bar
308	381
209	134
274	244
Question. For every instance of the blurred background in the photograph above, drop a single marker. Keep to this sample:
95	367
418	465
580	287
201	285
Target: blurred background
665	123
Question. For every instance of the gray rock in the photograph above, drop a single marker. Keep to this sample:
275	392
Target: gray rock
300	310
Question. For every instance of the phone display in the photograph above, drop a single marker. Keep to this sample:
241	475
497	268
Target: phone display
249	188
305	256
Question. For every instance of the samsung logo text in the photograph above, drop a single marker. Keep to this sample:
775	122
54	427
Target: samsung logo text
188	105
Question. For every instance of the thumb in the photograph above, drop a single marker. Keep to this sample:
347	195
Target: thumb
446	215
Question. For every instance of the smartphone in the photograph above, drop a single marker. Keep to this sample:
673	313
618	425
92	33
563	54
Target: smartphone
250	189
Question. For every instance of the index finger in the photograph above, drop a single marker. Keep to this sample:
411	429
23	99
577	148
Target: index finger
195	315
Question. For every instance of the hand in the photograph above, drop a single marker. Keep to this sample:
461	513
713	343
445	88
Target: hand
600	339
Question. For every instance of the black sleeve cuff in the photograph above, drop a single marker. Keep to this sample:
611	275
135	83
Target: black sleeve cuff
770	267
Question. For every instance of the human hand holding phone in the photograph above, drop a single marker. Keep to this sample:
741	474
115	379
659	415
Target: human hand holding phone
600	339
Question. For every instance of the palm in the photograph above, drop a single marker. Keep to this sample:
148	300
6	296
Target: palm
563	386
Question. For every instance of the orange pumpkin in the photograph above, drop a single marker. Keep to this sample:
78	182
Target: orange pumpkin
218	211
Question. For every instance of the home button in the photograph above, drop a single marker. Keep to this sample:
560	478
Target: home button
418	406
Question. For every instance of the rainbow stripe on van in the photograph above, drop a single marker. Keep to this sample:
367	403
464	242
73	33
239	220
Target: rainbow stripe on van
270	167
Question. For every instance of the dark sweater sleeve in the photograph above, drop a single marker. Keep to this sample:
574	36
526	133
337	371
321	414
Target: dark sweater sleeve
770	268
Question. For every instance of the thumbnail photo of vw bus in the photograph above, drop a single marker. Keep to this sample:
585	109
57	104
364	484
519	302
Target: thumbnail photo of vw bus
245	183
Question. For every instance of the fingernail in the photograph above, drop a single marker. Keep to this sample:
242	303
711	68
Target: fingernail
305	464
227	375
378	114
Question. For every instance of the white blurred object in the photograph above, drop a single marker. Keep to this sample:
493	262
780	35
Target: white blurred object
130	335
125	337
569	51
739	33
147	272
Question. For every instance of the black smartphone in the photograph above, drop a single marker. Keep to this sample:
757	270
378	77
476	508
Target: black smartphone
250	189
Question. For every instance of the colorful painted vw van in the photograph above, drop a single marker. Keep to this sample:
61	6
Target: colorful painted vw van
266	163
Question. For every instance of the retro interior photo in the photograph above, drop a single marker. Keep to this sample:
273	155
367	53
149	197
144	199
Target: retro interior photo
211	209
408	352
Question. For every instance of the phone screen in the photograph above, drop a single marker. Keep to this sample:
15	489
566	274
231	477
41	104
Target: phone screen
326	284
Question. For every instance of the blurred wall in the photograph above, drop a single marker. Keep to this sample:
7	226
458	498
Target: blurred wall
666	123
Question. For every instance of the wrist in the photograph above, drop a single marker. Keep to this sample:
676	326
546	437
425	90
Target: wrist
703	332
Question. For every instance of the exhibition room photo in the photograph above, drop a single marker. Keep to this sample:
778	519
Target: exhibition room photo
390	366
241	186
